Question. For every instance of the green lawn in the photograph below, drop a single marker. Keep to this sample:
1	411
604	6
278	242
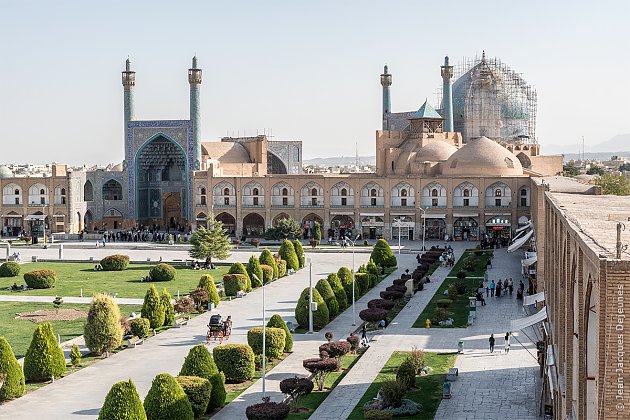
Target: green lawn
20	332
477	260
72	277
428	389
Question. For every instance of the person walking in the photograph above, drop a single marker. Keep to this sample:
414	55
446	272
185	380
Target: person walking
506	345
491	341
492	287
364	339
510	286
487	291
499	287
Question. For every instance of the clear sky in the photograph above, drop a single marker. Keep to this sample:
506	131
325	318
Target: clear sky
306	70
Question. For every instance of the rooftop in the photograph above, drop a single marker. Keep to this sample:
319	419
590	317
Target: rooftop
566	184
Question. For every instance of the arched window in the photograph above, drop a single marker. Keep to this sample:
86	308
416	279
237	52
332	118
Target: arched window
112	190
42	192
314	193
373	192
344	192
466	193
255	191
203	191
285	191
523	191
17	192
227	192
88	191
403	193
434	193
497	193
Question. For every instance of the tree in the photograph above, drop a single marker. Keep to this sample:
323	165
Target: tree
595	170
199	362
613	184
123	402
210	243
166	400
102	331
267	258
382	254
152	308
276	321
570	169
207	282
13	386
169	311
321	368
324	289
625	167
321	316
44	358
284	228
253	268
299	251
337	288
239	268
294	388
197	391
287	253
317	232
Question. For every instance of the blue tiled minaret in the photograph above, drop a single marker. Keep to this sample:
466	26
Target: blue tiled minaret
129	82
447	96
194	79
386	82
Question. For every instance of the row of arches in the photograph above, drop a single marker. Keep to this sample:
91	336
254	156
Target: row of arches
111	190
37	194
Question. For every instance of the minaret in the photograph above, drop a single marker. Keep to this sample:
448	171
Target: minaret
386	82
194	79
128	82
447	96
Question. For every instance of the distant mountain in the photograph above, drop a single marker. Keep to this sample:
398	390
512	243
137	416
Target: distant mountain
595	156
619	142
341	161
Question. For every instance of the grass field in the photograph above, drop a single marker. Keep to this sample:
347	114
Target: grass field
428	389
72	277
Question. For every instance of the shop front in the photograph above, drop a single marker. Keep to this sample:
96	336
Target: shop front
466	228
12	224
372	225
341	225
499	228
434	226
402	226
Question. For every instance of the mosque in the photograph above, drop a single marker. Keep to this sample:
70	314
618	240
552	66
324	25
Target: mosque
461	171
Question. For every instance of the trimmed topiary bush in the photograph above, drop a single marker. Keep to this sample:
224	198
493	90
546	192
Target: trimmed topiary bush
234	283
199	362
163	272
321	316
282	268
207	282
377	415
321	368
267	411
373	315
299	251
169	310
324	289
345	276
122	402
253	267
102	331
140	327
335	349
267	273
287	253
14	377
152	308
274	341
381	304
276	321
40	279
363	280
44	358
337	288
166	400
75	355
236	361
115	262
267	258
9	269
393	295
354	341
372	268
239	268
218	395
294	388
197	391
382	254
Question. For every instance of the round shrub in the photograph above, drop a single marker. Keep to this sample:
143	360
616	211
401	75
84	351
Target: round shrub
115	262
373	315
377	415
382	254
169	310
324	289
254	270
443	303
102	331
14	377
440	314
122	402
199	362
345	275
268	259
267	411
381	304
461	275
40	279
236	361
363	280
233	283
354	341
392	295
294	388
401	289
162	272
337	288
140	327
239	268
335	349
320	368
321	316
44	358
461	287
267	273
207	282
9	269
406	374
166	400
452	292
276	321
400	282
197	391
274	341
282	268
152	308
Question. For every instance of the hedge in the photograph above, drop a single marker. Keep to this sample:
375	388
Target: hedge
166	400
253	267
382	254
14	380
9	269
287	253
274	341
321	316
44	358
276	321
337	287
239	268
234	283
267	411
197	391
328	295
236	361
152	308
207	282
123	402
162	272
40	279
267	273
199	362
102	331
363	280
115	262
268	259
140	327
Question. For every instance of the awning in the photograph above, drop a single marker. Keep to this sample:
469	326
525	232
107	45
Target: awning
342	213
12	215
529	261
34	217
522	228
371	214
528	321
401	213
465	214
433	216
533	299
519	242
553	385
498	214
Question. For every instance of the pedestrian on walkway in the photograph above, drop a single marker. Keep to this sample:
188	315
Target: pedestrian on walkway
510	286
492	287
506	345
499	287
487	291
491	341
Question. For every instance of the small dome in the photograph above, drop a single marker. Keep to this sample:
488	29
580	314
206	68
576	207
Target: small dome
117	168
226	152
483	157
5	172
435	151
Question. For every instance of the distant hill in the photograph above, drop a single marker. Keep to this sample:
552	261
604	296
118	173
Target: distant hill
619	142
595	156
340	161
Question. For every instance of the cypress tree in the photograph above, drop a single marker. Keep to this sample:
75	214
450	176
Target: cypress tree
102	331
253	267
152	308
328	295
44	358
123	402
14	380
169	310
267	259
299	251
287	253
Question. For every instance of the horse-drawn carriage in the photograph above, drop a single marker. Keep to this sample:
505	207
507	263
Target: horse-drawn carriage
219	328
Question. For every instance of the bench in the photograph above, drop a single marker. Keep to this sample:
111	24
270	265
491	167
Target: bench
134	341
180	322
452	374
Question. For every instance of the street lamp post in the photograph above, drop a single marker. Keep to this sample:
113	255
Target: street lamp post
264	365
424	226
397	223
354	313
310	300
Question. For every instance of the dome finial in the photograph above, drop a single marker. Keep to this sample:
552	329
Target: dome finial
128	64
385	69
194	61
483	55
446	60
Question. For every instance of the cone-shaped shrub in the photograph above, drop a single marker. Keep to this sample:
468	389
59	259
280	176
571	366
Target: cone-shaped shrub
282	268
14	380
169	310
321	316
299	251
236	361
275	339
267	273
267	258
44	358
239	268
337	288
140	327
363	281
382	254
345	276
207	282
287	253
218	394
276	321
75	355
166	400
328	295
253	267
122	403
102	331
198	391
199	362
152	308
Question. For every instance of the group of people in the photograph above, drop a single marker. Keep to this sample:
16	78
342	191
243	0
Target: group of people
144	234
447	259
207	265
506	343
502	288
